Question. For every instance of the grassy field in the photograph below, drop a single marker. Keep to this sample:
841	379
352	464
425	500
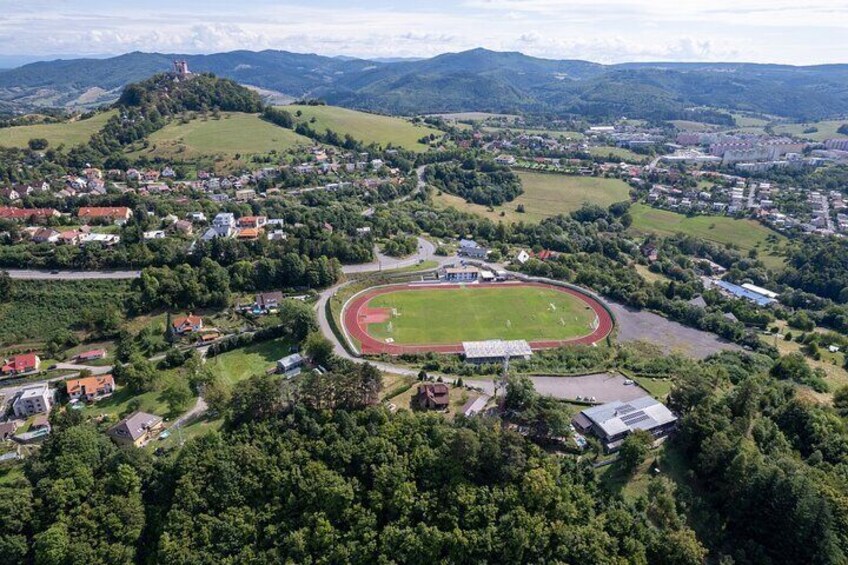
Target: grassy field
618	153
240	364
826	130
745	234
547	195
234	133
473	313
69	133
370	128
554	133
687	125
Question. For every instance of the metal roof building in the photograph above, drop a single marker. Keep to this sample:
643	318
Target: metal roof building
494	350
745	293
612	422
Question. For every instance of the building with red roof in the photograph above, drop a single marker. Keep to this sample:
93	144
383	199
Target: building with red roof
21	364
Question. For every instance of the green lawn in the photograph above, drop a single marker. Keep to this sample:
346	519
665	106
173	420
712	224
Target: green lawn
69	133
546	195
745	234
233	133
240	364
472	313
826	130
618	153
658	388
370	128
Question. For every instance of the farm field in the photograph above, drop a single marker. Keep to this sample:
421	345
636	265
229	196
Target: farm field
471	314
369	128
745	234
234	133
240	364
68	133
547	195
826	130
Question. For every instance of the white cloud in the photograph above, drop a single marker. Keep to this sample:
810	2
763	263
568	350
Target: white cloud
600	30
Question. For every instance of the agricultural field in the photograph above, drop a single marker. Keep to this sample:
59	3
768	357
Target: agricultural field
826	130
471	314
547	195
240	364
234	133
67	133
744	234
369	128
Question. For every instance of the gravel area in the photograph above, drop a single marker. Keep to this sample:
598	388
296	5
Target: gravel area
671	337
604	387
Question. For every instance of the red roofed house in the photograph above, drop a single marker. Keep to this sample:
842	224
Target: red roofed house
433	396
116	214
252	221
27	214
188	324
91	388
21	364
92	355
545	254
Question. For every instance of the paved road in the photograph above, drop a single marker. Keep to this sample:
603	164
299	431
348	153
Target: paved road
426	251
33	274
196	411
95	370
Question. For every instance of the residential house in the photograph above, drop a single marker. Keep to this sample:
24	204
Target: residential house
183	227
39	429
45	235
291	365
7	430
433	396
22	364
266	302
252	221
187	324
116	214
245	194
91	355
136	429
35	399
196	216
28	215
248	233
90	388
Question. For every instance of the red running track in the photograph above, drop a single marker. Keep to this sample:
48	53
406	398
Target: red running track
356	318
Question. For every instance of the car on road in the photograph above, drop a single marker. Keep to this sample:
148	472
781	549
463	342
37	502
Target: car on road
54	272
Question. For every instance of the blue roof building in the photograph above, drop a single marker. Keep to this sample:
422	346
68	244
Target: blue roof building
739	292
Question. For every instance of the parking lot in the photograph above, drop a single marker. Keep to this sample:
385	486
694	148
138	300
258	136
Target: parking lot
603	387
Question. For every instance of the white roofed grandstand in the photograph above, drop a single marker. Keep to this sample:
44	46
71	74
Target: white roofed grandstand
494	350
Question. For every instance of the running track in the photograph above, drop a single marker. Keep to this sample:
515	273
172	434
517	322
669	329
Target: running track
354	317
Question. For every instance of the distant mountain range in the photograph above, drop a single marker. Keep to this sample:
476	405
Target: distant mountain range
476	80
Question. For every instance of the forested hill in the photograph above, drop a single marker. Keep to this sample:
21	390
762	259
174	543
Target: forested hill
203	91
473	80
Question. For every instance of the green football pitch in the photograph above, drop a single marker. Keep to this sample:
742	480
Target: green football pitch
473	313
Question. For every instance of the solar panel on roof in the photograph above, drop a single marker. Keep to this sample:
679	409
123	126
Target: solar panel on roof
640	417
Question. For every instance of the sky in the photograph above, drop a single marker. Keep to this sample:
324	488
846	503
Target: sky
604	31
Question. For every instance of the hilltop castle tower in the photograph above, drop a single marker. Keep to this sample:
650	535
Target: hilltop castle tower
181	68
